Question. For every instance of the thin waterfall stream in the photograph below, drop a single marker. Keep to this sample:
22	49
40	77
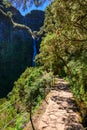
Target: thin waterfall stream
34	51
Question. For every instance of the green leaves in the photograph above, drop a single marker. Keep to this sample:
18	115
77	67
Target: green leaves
36	82
64	46
78	81
31	88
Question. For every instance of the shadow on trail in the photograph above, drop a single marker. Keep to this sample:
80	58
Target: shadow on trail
61	86
71	104
68	104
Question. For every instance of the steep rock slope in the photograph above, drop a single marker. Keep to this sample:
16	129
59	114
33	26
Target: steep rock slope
16	50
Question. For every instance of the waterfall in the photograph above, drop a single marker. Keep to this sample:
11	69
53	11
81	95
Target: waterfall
34	51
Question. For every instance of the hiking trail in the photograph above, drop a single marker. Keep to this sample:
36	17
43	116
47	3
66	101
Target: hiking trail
60	113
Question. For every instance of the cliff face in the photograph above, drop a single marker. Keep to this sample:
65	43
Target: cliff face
16	49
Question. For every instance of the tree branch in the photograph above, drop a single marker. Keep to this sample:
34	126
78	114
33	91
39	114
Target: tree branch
22	26
3	12
74	39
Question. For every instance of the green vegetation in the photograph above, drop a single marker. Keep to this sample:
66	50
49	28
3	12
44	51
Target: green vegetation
63	51
27	94
64	47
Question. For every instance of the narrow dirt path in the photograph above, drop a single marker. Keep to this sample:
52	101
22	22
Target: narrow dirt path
60	113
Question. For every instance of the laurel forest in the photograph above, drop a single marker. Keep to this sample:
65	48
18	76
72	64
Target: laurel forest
62	53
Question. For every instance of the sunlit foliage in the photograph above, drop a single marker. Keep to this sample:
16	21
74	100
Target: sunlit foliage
27	94
64	47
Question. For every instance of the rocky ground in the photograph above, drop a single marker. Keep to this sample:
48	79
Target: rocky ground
60	113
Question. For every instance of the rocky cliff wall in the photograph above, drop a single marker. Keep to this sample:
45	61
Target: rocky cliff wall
16	48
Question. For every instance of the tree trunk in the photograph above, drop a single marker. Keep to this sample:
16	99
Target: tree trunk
31	117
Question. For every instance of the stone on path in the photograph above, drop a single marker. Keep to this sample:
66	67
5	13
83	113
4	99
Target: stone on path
61	112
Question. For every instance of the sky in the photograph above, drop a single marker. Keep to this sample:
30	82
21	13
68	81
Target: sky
33	7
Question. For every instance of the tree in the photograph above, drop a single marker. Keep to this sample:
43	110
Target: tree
64	46
65	32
